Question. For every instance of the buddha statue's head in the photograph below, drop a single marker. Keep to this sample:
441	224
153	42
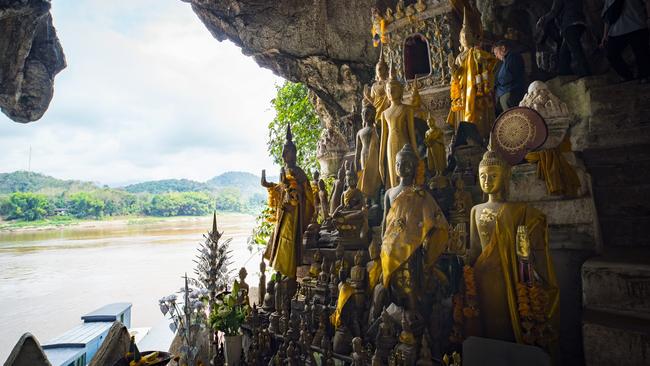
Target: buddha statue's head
394	89
289	150
381	69
494	175
242	274
406	162
467	37
367	113
351	179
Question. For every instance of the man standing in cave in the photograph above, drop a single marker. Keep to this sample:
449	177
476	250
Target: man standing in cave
510	85
570	18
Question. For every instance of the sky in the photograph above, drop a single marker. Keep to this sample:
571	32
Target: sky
147	94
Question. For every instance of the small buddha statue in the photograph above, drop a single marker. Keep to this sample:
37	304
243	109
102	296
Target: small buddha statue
324	200
435	142
242	297
261	287
315	267
292	355
420	6
359	356
472	83
386	338
377	93
338	187
496	282
397	128
324	275
305	335
389	17
269	297
366	155
407	345
358	273
350	217
340	261
314	188
321	331
333	285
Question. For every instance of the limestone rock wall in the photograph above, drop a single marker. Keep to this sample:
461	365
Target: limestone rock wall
31	57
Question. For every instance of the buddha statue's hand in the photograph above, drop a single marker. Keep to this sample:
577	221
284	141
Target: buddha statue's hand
451	61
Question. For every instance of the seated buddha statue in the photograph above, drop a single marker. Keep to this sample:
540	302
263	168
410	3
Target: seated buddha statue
505	308
315	267
350	217
414	234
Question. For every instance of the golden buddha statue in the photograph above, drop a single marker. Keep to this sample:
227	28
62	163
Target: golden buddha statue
366	156
472	83
504	298
398	129
435	142
377	93
294	201
414	234
350	217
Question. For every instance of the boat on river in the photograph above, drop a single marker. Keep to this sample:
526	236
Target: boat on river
77	346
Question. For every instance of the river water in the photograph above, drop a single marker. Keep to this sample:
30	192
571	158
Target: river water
50	278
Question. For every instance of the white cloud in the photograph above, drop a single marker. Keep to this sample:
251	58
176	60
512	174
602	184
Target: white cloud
148	94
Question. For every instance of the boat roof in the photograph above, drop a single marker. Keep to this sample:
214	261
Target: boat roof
79	336
107	313
63	356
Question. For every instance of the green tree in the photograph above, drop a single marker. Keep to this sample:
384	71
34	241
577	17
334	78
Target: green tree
27	206
84	204
292	105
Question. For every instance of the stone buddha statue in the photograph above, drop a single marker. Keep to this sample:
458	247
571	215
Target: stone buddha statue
350	217
386	338
359	356
315	267
397	129
435	142
358	273
269	297
377	93
494	258
472	83
324	200
261	287
407	345
294	210
414	234
373	267
366	157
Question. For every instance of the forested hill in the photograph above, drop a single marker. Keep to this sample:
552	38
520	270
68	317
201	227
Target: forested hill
23	181
246	182
168	185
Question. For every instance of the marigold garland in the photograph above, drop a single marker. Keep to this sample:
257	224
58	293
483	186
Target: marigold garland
532	302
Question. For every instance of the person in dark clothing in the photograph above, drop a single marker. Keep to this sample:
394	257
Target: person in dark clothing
625	25
510	84
570	18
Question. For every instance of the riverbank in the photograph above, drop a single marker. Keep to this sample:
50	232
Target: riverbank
60	222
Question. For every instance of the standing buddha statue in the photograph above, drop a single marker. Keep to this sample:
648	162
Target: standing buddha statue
509	302
366	157
377	93
435	142
415	233
397	129
294	209
472	83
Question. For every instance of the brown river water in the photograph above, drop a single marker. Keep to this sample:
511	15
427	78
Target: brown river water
50	278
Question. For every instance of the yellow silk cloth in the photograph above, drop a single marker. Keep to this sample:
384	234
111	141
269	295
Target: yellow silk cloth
345	292
472	85
374	271
552	166
294	209
496	272
369	179
414	219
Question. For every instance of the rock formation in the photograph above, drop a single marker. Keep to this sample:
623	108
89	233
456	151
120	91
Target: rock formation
31	57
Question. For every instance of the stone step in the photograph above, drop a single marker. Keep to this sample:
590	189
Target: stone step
617	156
618	282
600	139
610	339
628	173
630	232
623	201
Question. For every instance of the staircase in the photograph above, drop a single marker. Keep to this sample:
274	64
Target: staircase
616	283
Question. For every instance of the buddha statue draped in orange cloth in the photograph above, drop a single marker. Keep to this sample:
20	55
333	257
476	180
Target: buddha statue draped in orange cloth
294	206
517	295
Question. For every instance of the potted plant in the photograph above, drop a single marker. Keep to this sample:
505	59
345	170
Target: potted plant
227	317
